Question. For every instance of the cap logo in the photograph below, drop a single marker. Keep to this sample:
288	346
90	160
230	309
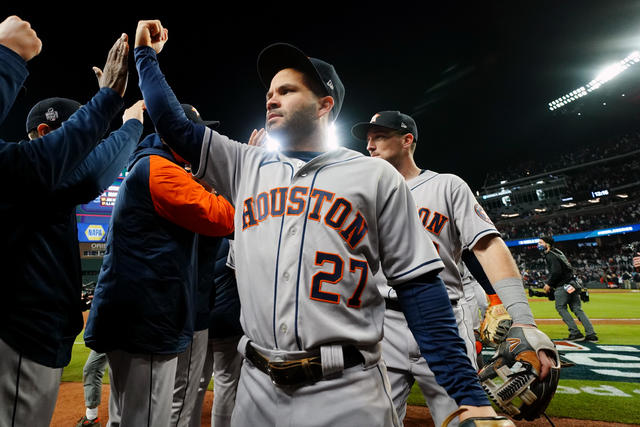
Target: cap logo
330	84
375	116
51	114
403	125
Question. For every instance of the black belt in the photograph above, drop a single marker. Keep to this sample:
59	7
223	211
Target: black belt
300	371
394	304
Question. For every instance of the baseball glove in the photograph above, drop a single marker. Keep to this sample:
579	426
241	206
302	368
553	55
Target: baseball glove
512	377
495	325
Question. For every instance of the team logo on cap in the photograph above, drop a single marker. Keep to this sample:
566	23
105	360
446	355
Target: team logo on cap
402	125
375	116
51	114
330	84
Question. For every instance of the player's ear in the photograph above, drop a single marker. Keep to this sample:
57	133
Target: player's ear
325	104
43	129
407	141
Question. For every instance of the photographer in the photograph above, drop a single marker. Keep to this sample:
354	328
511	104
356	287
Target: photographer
565	290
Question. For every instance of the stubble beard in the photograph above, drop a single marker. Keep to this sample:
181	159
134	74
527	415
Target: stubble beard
297	127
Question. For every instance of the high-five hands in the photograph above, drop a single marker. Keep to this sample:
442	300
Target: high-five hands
151	33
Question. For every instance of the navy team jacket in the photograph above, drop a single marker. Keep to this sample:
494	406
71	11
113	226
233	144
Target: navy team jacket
43	181
145	296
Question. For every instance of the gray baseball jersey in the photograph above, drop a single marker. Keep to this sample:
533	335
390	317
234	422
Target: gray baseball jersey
474	294
454	220
310	236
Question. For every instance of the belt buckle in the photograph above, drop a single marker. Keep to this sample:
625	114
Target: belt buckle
270	373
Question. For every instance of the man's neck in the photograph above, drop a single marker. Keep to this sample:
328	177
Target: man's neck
315	141
408	169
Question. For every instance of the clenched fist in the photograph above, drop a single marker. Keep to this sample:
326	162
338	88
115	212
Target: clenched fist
18	36
151	33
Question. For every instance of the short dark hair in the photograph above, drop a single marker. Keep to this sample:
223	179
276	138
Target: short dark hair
548	240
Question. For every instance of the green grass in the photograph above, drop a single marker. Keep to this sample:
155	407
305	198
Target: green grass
601	306
621	409
73	372
582	405
607	334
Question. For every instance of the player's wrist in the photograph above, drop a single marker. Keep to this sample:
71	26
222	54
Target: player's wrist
476	411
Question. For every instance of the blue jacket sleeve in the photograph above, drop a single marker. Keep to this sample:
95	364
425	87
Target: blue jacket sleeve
13	73
43	163
103	165
428	311
180	133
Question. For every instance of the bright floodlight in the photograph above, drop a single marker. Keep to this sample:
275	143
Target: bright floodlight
332	138
604	76
272	144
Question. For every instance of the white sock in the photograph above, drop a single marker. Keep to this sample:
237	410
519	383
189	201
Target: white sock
92	413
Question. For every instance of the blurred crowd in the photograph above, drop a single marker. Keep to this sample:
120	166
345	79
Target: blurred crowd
609	265
610	148
614	215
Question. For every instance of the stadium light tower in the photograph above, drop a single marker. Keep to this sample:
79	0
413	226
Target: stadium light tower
604	76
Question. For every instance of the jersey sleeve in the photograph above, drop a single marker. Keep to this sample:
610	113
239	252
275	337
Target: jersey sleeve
406	250
181	200
223	160
470	219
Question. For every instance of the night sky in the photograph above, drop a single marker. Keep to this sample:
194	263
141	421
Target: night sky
477	77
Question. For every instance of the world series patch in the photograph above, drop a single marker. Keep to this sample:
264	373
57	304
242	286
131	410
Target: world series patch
482	214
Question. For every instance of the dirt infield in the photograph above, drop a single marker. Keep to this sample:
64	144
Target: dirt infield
70	408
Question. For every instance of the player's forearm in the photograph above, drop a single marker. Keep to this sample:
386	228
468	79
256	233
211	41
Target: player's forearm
13	73
50	159
496	261
184	136
103	165
477	271
428	311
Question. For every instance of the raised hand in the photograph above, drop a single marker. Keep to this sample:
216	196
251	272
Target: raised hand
18	36
151	33
258	138
116	69
136	111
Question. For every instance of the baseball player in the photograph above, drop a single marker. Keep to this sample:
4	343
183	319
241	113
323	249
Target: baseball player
40	308
223	361
454	221
478	302
149	273
191	361
312	227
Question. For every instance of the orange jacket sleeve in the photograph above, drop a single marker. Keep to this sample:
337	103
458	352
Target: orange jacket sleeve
181	200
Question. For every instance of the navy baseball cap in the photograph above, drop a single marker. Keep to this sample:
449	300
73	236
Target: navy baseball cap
51	111
279	56
193	115
387	119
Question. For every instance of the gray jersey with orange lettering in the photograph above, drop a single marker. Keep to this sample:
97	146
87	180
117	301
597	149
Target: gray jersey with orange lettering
454	220
310	236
